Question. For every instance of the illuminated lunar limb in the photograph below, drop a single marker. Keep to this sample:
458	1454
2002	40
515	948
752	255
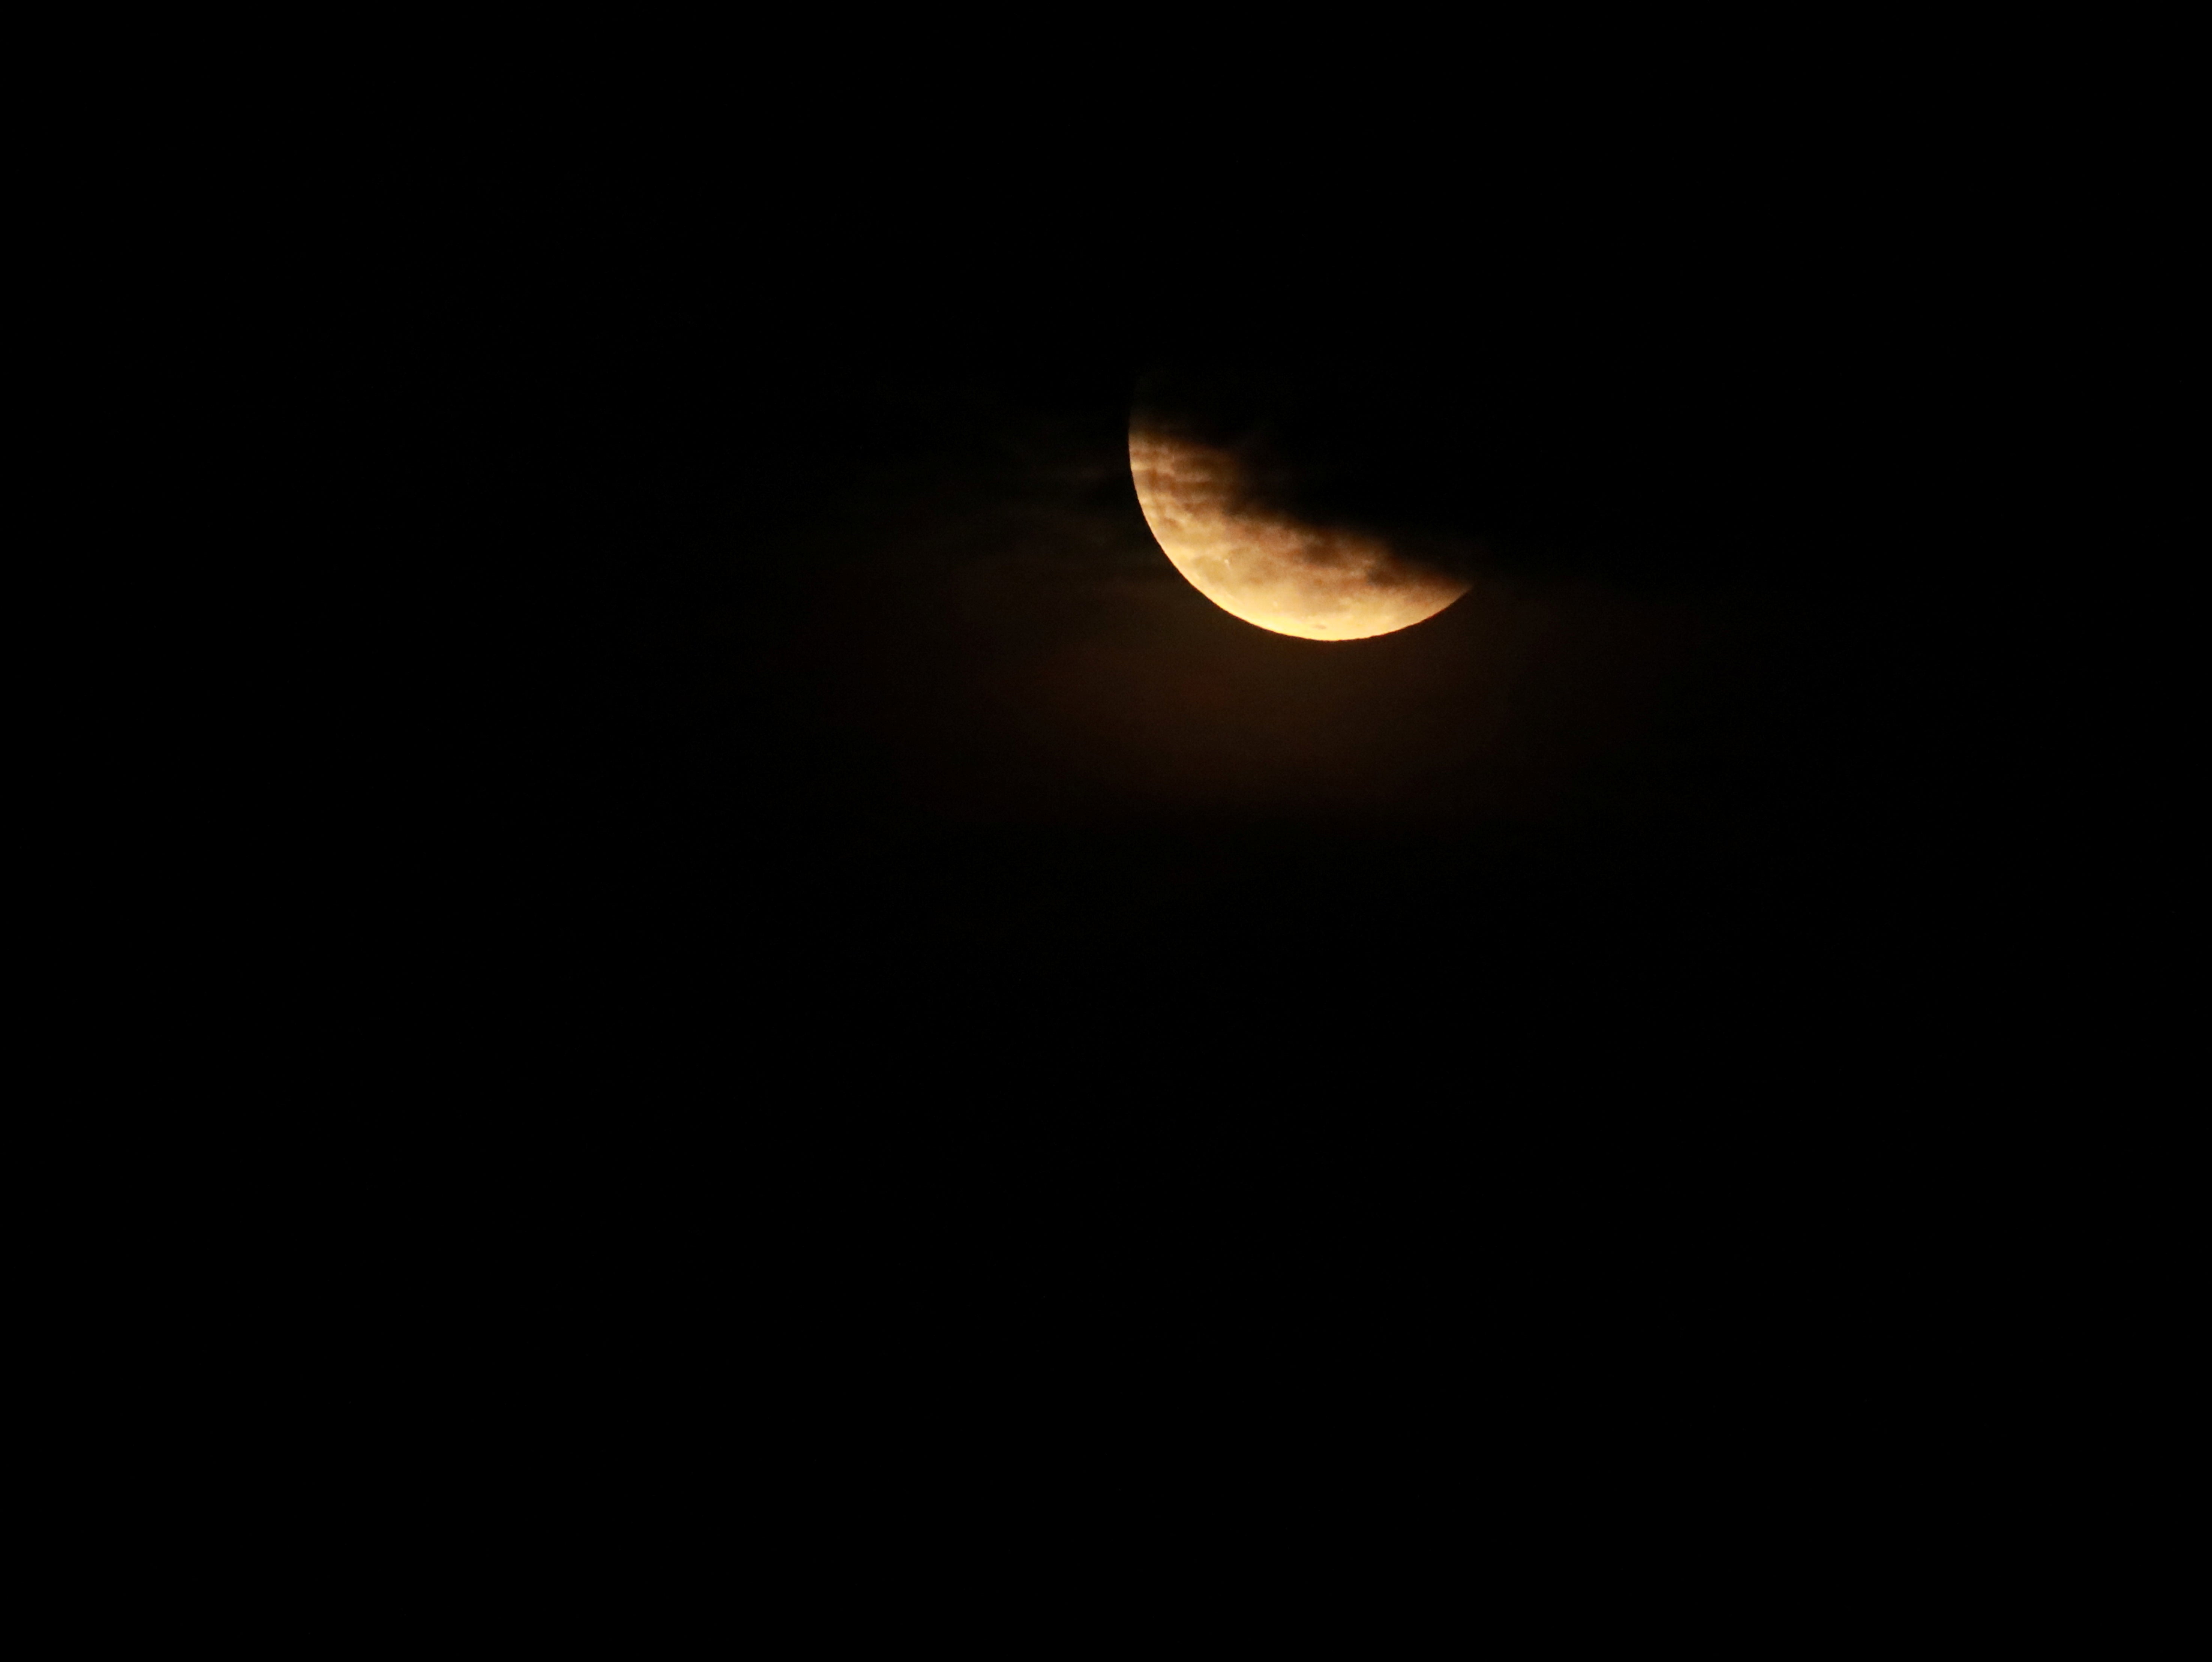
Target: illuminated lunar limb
1313	581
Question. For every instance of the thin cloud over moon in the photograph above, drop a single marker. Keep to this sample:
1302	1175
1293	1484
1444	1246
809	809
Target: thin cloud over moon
1272	570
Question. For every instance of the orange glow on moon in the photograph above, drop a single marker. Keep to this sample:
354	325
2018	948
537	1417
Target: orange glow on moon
1277	573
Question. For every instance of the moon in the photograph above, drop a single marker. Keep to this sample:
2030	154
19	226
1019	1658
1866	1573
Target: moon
1318	582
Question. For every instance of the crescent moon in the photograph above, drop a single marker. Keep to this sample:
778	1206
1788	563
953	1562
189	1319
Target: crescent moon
1317	583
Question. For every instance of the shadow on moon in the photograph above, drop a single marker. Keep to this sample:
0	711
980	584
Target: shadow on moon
1317	582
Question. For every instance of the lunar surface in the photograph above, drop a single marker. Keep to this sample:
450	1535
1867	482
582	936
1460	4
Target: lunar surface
1316	582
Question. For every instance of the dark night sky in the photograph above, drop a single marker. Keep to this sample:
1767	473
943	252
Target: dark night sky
806	545
838	795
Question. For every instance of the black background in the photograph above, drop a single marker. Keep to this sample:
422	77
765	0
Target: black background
860	893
